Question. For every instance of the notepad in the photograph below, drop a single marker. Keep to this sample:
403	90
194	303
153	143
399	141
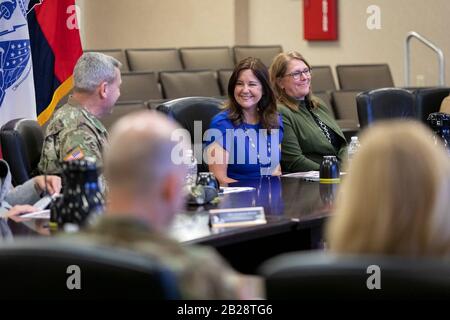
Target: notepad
308	175
227	190
43	214
236	217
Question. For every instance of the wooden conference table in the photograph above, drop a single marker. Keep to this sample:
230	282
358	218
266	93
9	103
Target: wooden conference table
295	211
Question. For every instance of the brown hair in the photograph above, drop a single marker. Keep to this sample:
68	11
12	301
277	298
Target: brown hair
278	70
267	107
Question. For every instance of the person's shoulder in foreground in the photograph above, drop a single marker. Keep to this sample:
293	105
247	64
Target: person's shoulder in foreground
145	193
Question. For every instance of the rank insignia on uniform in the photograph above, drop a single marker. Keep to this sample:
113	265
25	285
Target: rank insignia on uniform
75	154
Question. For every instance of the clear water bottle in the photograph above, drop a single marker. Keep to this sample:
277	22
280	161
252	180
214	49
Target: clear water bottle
353	148
191	162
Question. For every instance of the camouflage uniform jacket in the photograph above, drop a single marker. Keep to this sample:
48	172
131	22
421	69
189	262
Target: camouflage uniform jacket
73	133
201	273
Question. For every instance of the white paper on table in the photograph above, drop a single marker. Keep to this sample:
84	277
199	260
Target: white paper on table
226	190
43	214
308	175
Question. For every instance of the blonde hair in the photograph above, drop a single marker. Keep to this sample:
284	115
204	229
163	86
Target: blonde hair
278	69
396	197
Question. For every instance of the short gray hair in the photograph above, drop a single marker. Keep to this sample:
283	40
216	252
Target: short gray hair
92	69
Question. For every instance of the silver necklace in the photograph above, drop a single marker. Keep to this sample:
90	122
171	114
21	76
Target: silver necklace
264	171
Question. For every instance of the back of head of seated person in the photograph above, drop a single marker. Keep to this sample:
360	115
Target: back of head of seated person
145	191
310	132
445	105
75	131
395	199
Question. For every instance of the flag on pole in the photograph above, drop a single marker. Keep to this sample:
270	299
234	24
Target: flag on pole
17	99
55	47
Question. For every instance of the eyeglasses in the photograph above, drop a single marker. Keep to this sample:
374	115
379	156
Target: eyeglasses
297	74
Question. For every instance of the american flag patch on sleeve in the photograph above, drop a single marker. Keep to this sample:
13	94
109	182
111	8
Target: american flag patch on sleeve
75	154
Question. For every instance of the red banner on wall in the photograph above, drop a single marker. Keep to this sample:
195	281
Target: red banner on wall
320	19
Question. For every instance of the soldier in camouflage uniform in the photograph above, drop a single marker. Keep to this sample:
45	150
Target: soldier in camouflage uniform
75	131
145	192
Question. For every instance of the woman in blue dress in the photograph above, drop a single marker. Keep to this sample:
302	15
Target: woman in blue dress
244	139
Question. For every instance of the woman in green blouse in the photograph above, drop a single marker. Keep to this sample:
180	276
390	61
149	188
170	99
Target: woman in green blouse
310	132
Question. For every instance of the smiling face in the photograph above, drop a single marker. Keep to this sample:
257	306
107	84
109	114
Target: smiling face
248	90
296	84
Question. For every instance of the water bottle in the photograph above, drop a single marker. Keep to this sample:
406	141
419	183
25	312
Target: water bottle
329	170
353	148
440	124
191	176
82	201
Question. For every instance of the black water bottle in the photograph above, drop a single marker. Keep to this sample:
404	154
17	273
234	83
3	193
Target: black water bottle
82	200
329	170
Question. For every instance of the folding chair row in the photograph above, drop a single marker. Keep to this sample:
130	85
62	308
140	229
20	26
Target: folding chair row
352	77
183	83
189	58
173	84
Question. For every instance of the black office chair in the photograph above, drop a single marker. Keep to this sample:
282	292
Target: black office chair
321	275
386	103
46	269
188	110
21	141
428	100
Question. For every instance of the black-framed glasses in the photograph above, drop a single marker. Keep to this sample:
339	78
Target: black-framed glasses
297	74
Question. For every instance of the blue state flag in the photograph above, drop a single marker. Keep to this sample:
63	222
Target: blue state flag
17	96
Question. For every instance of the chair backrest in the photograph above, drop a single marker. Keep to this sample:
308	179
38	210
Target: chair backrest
322	79
152	104
178	84
344	103
119	54
428	100
224	77
186	111
121	109
264	53
139	86
325	97
364	76
21	141
318	275
45	269
213	58
154	59
386	103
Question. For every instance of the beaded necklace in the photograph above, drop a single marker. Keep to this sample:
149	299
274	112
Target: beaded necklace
266	169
